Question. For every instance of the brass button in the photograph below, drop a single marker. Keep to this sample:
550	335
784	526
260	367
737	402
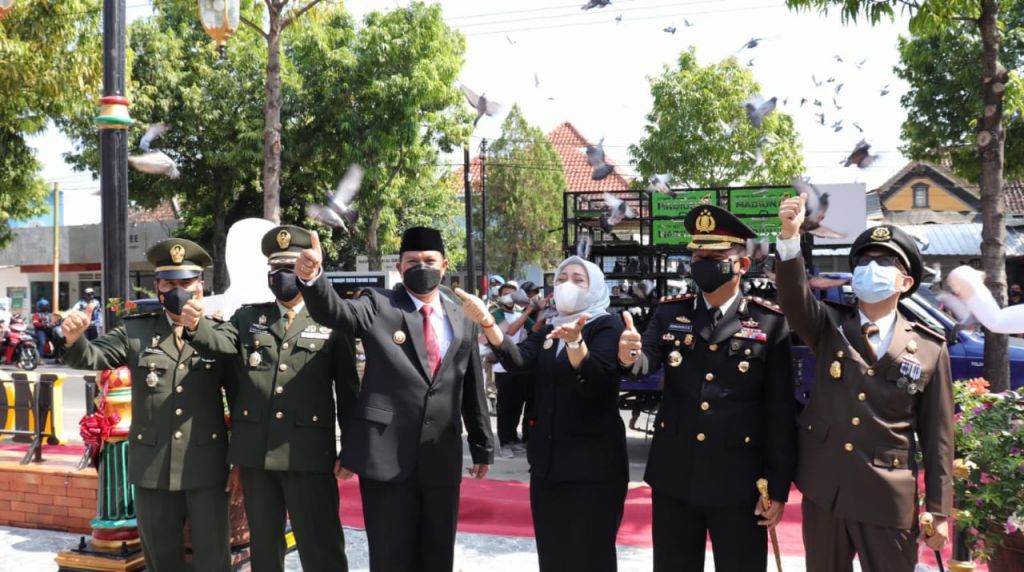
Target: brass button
862	396
179	389
312	346
181	366
284	346
710	376
257	343
809	427
713	347
279	390
177	434
855	421
245	413
283	367
279	415
178	412
746	439
209	365
214	436
662	425
315	419
701	436
139	437
840	354
848	447
747	352
895	462
871	372
705	406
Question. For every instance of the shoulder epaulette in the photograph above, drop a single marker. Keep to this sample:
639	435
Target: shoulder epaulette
218	317
142	315
765	303
676	298
929	331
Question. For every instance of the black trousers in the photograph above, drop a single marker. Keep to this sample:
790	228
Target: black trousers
831	542
410	527
311	502
162	515
680	533
576	523
513	390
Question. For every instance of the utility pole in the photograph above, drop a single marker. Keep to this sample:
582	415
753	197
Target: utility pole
483	220
55	304
467	178
113	122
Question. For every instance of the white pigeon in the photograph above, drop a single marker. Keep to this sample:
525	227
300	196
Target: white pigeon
338	212
154	162
757	107
480	103
618	209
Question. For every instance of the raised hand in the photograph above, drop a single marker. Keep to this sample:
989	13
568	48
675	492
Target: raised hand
307	266
192	311
474	307
74	324
630	342
791	213
569	332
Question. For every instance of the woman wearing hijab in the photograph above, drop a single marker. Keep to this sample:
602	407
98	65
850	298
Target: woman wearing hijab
577	449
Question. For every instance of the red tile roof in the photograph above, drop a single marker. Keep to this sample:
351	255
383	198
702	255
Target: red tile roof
163	212
569	143
1013	197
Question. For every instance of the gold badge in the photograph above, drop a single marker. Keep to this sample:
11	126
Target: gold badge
688	340
284	238
744	366
735	346
912	346
398	337
177	253
705	222
674	359
682	319
548	344
836	370
255	359
152	379
881	234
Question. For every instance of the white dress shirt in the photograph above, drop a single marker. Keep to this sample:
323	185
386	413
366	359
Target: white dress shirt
724	307
439	321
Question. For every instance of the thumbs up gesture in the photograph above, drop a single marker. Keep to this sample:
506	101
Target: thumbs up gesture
474	308
307	267
791	213
630	342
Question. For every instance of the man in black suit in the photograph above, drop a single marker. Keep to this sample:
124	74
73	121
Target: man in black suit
404	437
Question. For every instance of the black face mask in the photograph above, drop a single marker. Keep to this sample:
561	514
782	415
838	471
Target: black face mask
422	279
710	275
284	284
174	300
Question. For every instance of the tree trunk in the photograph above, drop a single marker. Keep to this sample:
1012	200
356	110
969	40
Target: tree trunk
372	245
272	119
990	154
221	280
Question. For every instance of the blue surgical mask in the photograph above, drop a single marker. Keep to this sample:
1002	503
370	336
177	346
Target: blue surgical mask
873	283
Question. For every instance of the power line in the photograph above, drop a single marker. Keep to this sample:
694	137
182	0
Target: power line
587	14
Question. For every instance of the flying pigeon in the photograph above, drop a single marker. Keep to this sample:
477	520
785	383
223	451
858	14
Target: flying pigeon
751	44
821	118
584	243
511	42
838	58
480	103
750	63
659	183
837	126
338	212
817	208
618	209
835	102
859	128
860	156
618	19
595	4
757	108
154	162
839	86
670	29
830	80
536	80
595	158
861	63
815	80
817	102
884	90
803	100
687	23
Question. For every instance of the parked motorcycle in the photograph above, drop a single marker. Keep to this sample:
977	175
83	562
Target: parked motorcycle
17	347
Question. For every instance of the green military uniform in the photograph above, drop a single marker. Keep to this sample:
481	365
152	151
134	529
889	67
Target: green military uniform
178	439
284	416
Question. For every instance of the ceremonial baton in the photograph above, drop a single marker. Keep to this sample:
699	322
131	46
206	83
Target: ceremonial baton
766	503
926	519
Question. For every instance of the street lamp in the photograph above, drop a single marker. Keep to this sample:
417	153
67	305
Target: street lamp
219	18
5	7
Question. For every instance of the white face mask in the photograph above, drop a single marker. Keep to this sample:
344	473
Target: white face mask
569	298
506	300
873	283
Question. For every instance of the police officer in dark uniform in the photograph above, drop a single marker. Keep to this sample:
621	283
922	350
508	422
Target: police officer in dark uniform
178	440
727	412
290	371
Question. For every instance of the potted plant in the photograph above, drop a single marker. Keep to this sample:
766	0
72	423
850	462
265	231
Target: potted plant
989	473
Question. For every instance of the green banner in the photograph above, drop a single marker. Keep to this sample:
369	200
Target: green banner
757	202
663	205
764	226
669	232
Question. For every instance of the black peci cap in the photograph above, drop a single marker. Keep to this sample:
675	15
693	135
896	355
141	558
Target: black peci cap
420	238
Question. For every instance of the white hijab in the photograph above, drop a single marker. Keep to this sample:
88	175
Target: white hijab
596	299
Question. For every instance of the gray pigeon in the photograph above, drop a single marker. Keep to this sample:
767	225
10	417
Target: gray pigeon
815	80
687	23
338	212
618	209
154	162
595	158
584	242
511	42
838	58
751	44
595	4
536	80
750	62
670	29
618	19
884	91
757	108
839	86
659	183
859	128
835	102
837	126
860	156
861	63
821	118
480	103
817	208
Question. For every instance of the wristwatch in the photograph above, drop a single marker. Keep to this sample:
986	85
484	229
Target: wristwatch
576	344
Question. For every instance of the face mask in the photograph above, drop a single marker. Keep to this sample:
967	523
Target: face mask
710	275
174	300
569	298
494	291
422	279
284	284
505	300
873	283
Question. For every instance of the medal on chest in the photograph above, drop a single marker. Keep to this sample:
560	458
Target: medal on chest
910	374
675	358
152	378
255	359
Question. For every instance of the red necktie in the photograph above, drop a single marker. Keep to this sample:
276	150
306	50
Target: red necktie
433	348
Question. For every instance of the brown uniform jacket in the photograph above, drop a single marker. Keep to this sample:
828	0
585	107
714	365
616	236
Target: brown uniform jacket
857	449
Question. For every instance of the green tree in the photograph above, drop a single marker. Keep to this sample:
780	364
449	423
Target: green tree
525	186
988	136
49	64
698	131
